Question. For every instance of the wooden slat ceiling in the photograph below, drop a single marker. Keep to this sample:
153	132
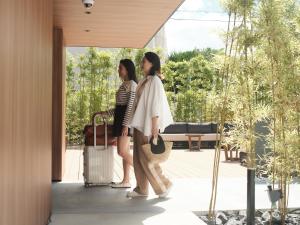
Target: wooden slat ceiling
112	23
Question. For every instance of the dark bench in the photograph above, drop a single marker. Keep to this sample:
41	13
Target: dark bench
178	132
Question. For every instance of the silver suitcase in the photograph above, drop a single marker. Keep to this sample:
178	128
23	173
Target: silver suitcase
98	161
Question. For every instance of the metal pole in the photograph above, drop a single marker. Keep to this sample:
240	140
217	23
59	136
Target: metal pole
250	171
250	196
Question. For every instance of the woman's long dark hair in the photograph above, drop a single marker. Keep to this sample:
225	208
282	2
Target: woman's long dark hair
154	59
129	66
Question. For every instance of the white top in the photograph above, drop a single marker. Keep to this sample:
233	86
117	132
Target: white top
152	102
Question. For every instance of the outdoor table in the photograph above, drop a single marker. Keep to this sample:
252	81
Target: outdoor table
190	137
228	148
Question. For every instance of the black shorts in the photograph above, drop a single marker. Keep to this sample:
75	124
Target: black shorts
119	115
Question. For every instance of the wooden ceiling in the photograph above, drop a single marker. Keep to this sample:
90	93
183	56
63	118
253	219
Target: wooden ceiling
112	23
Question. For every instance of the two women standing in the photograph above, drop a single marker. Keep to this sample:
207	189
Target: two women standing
146	110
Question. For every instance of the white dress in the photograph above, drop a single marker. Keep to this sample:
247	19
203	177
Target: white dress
152	103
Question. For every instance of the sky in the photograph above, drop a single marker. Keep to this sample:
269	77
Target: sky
196	24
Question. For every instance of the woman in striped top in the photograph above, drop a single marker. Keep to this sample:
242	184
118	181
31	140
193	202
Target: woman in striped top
122	113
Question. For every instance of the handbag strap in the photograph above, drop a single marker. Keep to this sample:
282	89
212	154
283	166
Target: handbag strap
140	89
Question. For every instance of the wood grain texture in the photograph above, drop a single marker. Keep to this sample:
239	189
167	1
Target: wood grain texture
112	23
58	105
25	111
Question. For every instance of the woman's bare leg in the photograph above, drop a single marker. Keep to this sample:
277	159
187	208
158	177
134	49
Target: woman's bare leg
123	147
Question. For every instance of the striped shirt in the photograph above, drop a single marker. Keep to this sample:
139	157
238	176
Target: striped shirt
125	96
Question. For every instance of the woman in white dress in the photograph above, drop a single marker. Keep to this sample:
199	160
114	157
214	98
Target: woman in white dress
151	115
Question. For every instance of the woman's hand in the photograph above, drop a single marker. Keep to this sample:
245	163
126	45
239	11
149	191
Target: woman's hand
125	131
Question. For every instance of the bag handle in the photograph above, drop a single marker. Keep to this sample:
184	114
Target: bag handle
159	139
95	126
159	146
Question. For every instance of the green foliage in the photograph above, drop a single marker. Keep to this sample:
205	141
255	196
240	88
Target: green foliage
202	73
207	53
89	90
189	84
278	29
72	114
194	106
183	56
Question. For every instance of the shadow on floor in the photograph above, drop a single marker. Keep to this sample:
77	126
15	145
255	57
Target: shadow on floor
73	204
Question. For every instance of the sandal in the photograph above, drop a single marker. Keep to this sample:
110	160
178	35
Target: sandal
121	185
134	194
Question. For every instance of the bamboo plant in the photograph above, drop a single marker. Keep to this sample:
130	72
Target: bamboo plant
262	58
278	26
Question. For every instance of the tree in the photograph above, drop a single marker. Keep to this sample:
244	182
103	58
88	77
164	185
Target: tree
207	53
188	84
278	28
72	101
260	80
183	56
237	95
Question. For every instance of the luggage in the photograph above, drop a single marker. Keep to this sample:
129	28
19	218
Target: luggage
98	159
100	135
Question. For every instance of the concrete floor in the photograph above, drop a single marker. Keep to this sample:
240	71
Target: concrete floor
75	205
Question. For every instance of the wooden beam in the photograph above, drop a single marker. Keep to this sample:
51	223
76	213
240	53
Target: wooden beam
58	106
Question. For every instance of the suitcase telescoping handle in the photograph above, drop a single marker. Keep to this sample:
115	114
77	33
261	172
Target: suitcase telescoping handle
104	118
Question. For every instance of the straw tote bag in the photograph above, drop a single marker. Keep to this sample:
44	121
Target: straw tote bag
157	152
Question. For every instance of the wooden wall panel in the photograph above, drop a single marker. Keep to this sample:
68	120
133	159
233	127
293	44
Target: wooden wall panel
25	111
58	105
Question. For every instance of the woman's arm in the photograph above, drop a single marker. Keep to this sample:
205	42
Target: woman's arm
129	109
130	103
158	108
155	130
108	113
155	106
